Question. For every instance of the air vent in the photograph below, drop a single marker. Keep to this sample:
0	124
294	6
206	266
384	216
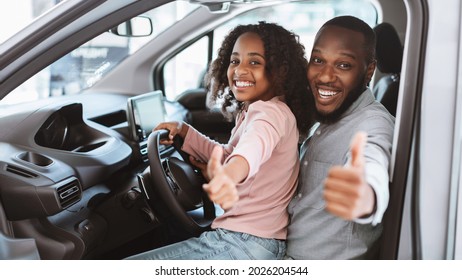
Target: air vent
69	194
20	171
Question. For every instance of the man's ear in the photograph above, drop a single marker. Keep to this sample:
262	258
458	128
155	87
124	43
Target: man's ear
370	71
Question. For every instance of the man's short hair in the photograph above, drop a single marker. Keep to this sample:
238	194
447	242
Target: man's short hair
355	24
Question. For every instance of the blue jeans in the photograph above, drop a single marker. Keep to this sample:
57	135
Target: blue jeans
219	244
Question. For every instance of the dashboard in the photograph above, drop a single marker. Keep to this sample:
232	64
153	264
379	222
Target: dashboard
68	171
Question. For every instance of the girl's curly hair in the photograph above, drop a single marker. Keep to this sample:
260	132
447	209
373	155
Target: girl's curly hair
286	67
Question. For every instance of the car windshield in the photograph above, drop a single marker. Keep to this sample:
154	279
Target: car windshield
87	64
18	14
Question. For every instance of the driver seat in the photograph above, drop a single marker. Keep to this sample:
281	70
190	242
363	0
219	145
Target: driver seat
389	54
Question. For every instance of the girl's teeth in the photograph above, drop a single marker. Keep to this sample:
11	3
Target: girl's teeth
243	84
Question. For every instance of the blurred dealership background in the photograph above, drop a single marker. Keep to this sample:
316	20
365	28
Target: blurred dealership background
87	64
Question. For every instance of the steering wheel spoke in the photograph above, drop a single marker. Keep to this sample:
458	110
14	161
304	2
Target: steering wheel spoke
179	186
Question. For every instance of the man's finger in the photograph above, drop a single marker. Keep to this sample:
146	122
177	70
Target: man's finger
339	210
357	149
348	174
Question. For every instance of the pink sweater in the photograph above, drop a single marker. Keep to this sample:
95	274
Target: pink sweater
266	136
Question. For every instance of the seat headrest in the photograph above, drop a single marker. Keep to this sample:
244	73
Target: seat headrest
389	51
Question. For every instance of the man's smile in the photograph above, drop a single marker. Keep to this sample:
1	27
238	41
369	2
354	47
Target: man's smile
327	93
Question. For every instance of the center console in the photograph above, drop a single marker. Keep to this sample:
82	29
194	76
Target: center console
144	113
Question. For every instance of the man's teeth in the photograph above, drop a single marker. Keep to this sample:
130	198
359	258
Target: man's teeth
327	93
243	84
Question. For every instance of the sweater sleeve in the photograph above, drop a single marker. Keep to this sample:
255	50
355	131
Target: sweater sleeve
264	126
200	146
377	153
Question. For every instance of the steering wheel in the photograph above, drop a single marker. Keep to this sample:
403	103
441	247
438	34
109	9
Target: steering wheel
179	186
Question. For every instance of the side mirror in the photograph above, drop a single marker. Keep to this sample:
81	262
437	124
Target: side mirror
139	26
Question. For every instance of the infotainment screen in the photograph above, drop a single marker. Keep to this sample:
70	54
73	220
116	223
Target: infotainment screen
144	112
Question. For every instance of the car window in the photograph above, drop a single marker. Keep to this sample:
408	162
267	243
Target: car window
191	60
302	18
87	64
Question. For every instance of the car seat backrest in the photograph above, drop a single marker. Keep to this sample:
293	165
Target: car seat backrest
193	99
389	54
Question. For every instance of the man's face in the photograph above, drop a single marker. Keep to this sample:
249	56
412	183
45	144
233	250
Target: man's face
338	71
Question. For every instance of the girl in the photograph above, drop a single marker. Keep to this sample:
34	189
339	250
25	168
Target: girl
260	75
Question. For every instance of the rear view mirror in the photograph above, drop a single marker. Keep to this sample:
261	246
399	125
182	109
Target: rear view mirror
217	7
139	26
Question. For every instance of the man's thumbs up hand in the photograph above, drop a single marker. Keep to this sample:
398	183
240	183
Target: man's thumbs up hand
346	191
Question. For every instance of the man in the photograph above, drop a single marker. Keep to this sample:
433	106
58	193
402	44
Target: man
356	193
343	187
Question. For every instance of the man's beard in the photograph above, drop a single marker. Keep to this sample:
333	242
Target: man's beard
334	116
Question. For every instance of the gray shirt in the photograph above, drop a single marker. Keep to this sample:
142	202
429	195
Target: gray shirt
313	232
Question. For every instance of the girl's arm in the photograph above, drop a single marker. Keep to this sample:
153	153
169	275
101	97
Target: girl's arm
196	144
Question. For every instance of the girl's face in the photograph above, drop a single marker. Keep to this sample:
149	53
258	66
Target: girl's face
246	72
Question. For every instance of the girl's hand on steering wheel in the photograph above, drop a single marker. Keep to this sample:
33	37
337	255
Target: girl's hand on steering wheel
174	128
